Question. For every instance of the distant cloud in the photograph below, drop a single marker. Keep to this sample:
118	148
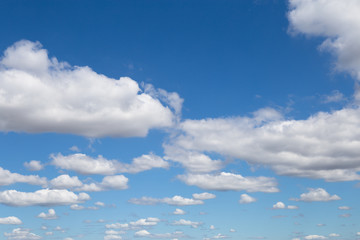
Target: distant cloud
313	237
174	201
229	181
43	197
34	165
183	222
84	164
8	178
244	199
281	205
335	96
147	234
50	215
179	211
203	196
143	222
317	195
10	220
344	208
56	97
21	233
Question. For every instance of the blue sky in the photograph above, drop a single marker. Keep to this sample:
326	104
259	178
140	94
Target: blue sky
179	119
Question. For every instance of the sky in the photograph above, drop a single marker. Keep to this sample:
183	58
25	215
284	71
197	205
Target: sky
182	119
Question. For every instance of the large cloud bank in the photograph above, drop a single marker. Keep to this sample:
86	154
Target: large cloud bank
40	94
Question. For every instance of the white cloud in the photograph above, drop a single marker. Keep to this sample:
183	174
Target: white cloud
77	207
334	235
244	198
184	222
147	234
10	220
344	208
335	96
34	165
74	148
39	94
144	222
179	211
65	181
112	237
100	204
84	164
20	234
311	237
50	215
323	146
8	178
116	182
43	197
281	205
229	181
203	196
142	233
174	201
327	19
317	195
232	230
212	227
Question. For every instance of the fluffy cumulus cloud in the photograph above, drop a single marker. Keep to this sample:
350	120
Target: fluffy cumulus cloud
174	201
84	164
8	178
10	220
40	94
244	198
338	22
324	145
43	197
141	223
51	214
179	211
116	182
317	195
21	233
65	181
230	181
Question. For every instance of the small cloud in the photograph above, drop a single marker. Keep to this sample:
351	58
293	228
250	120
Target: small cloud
344	208
335	96
34	165
346	215
179	211
74	149
244	199
203	196
316	195
10	220
50	215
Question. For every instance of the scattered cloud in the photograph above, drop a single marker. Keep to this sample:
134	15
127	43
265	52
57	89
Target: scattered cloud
65	181
108	107
229	181
50	215
116	182
281	205
83	164
179	211
244	198
317	195
43	197
335	96
147	234
334	235
174	201
344	208
21	233
34	165
8	178
203	196
10	220
312	237
184	222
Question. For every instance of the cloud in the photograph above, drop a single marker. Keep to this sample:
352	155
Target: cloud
323	146
144	233
317	195
344	208
183	222
281	205
65	181
43	197
174	201
144	222
311	237
8	178
34	165
326	19
21	233
40	94
229	181
334	235
244	198
116	182
179	211
203	196
112	237
335	96
10	220
50	215
83	164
